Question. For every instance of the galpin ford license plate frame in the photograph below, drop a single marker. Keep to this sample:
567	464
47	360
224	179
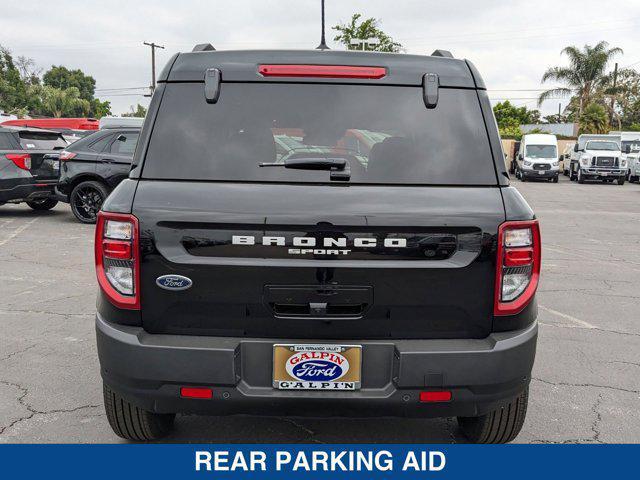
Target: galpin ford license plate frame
317	367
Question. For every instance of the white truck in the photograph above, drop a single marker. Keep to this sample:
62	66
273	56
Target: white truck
630	146
598	157
538	157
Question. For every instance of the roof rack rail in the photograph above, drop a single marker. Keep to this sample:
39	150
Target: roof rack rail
203	47
442	53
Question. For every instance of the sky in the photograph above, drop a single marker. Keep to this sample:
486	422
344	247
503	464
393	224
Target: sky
511	42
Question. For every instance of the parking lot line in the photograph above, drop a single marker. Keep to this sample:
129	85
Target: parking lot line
18	231
568	317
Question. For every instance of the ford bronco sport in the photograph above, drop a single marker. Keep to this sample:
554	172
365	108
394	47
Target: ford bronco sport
317	233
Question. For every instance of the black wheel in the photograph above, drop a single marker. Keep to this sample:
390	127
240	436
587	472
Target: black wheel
555	179
133	423
43	203
86	200
580	177
633	179
621	181
499	426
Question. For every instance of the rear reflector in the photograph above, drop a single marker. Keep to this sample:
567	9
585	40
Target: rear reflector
196	392
439	396
517	257
118	249
322	71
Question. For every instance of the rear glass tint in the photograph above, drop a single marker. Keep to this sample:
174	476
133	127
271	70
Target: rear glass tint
41	140
385	133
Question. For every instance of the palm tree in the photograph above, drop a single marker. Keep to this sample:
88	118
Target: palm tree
586	71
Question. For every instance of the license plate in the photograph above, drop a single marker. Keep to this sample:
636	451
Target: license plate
541	172
317	367
604	174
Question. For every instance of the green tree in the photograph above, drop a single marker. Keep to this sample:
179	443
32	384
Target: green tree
508	115
56	102
584	75
139	111
13	90
594	119
365	29
62	78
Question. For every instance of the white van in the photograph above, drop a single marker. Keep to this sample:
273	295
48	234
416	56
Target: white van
121	122
629	146
538	157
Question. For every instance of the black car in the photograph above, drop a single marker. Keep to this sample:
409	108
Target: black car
29	166
93	166
321	278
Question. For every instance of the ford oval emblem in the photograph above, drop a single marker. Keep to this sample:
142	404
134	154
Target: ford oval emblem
174	282
317	366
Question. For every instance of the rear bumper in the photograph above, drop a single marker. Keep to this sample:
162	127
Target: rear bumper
25	192
149	370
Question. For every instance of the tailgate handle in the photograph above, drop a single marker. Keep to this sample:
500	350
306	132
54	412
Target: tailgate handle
212	85
430	87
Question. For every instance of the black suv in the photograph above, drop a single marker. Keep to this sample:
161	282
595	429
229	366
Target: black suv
317	233
93	166
29	166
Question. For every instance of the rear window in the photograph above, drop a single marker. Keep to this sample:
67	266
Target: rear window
385	133
41	141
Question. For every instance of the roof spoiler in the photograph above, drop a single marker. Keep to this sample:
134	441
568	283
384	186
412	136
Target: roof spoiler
203	47
442	53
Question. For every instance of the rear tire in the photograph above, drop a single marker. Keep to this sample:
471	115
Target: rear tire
580	177
43	204
621	181
555	179
133	423
499	426
86	199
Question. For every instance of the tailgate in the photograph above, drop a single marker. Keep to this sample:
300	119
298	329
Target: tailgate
324	262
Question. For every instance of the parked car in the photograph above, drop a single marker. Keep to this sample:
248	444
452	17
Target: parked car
235	280
565	159
629	142
579	147
599	160
538	158
72	129
92	167
29	166
119	122
633	159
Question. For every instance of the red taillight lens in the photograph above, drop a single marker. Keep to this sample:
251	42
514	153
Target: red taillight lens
322	71
21	160
196	392
118	259
437	396
120	250
64	155
518	266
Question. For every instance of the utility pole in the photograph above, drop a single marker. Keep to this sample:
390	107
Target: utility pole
559	112
323	43
613	97
153	64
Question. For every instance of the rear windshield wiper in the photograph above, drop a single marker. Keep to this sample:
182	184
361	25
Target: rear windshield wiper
339	167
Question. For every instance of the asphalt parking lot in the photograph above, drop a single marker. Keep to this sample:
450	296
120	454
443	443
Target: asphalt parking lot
586	385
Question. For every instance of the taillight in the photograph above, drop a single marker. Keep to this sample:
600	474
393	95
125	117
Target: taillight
518	266
322	71
64	155
21	160
118	259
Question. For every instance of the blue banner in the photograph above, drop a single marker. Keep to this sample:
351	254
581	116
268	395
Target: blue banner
512	462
